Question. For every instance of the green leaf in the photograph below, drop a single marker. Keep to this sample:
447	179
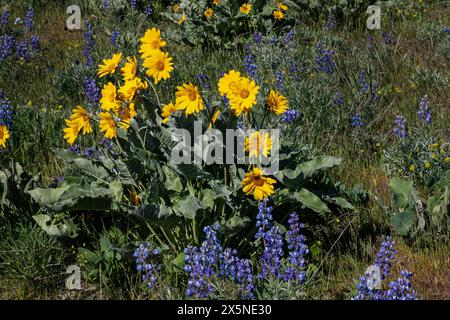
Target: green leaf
235	224
341	202
44	222
402	191
402	222
160	214
187	206
311	201
179	260
172	181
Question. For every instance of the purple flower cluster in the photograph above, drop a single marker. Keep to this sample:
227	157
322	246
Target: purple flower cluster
401	289
148	270
133	3
91	90
88	36
331	22
22	51
148	10
363	85
357	121
324	59
388	38
114	36
257	37
385	256
400	127
250	66
35	42
6	111
5	17
7	45
288	37
339	98
290	116
279	81
373	92
203	79
105	4
424	112
297	250
237	270
294	70
29	19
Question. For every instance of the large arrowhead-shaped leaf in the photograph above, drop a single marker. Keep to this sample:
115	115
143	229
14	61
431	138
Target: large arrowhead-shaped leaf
311	201
52	230
160	214
172	181
187	206
402	222
402	191
341	202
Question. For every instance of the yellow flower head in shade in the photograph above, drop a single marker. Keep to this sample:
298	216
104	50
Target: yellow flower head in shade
208	13
245	8
176	7
229	82
80	119
189	99
109	100
109	66
129	89
258	144
277	103
125	115
182	19
4	135
108	125
243	96
129	70
282	6
217	2
257	184
158	66
427	165
447	160
167	111
412	168
134	197
70	132
151	42
278	15
214	118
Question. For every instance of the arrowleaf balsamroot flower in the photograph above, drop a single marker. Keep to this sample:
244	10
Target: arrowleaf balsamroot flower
4	135
258	143
126	114
189	99
151	43
208	13
109	98
258	185
245	8
243	96
129	70
129	89
214	118
167	111
158	66
108	125
277	102
70	132
229	82
109	66
80	119
278	15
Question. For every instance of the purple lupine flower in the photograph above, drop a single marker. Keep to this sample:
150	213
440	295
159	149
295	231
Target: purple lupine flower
35	42
295	270
29	19
203	79
257	37
290	116
357	121
324	59
148	270
424	111
250	66
401	289
331	22
114	36
400	127
385	256
5	17
133	3
387	37
294	70
105	4
91	90
6	111
288	37
373	91
370	41
148	10
88	36
75	148
447	29
89	153
339	99
7	44
279	81
22	50
363	85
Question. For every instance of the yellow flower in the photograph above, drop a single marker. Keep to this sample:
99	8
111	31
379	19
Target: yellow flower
258	144
188	99
214	118
412	168
427	165
433	156
109	66
182	19
167	111
245	8
277	103
129	70
229	82
278	15
257	184
282	6
433	146
129	89
125	115
447	160
176	7
134	197
243	96
80	119
108	125
158	66
4	135
208	13
217	2
70	132
109	100
151	42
